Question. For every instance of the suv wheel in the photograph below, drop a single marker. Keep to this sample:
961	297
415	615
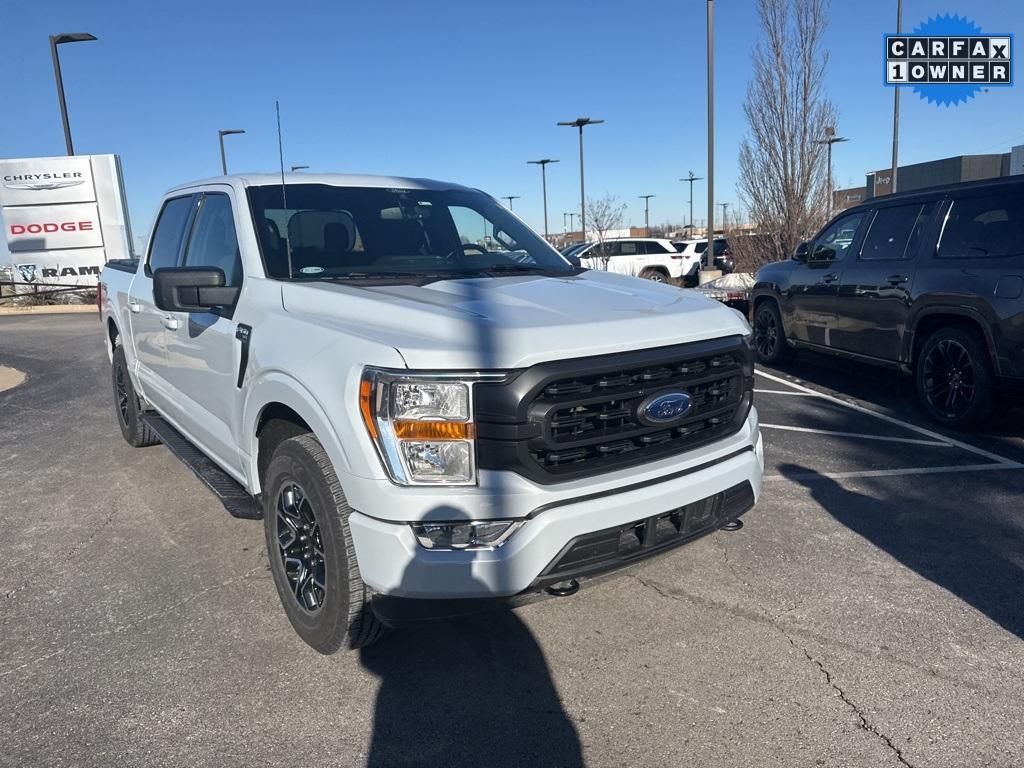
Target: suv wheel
127	405
769	337
312	556
651	273
954	381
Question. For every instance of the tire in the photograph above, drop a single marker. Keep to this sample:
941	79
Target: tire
653	273
127	406
321	590
769	340
953	378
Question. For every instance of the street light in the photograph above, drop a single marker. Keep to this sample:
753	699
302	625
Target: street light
709	259
544	184
299	168
55	40
571	215
725	217
579	123
510	198
221	135
691	178
829	140
647	211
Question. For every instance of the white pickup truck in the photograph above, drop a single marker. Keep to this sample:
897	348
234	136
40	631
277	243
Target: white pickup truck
429	407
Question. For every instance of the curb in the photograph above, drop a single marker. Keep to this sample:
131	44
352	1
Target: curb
48	309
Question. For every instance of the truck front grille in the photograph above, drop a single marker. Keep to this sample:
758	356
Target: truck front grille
579	417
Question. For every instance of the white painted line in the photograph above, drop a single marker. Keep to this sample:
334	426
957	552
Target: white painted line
912	441
893	472
783	392
892	420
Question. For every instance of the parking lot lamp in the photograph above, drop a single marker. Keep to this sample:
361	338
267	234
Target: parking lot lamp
647	212
691	178
709	260
55	40
223	158
510	198
543	163
829	140
299	168
579	123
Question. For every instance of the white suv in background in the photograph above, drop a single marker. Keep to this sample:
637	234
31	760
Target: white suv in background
647	257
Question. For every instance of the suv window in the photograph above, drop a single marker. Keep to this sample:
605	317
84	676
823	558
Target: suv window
213	242
626	248
987	226
835	239
721	246
701	246
896	232
653	247
170	228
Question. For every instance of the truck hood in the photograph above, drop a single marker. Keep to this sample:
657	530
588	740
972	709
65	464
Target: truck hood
515	321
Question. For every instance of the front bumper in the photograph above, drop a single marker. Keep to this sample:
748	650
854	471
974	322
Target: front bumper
392	563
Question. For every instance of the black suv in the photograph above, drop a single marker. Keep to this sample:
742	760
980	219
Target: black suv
930	282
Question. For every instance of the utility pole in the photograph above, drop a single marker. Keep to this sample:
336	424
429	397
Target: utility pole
895	112
691	178
579	123
647	211
708	253
829	140
510	198
544	185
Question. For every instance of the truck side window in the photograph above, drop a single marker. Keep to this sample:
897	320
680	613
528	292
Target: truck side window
170	227
214	242
894	233
987	226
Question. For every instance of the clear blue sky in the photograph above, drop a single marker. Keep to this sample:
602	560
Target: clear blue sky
457	90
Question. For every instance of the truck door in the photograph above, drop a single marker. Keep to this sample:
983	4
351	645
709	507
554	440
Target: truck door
808	307
149	324
202	351
874	290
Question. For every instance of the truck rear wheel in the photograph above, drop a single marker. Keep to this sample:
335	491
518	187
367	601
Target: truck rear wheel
312	556
127	405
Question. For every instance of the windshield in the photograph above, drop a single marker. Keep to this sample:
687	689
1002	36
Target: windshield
358	233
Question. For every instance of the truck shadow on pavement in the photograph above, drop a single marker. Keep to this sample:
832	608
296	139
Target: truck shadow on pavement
467	692
958	533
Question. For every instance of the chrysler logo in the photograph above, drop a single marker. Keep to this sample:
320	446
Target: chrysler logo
664	408
43	185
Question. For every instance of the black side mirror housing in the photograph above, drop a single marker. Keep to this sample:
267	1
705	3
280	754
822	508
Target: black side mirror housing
191	289
800	254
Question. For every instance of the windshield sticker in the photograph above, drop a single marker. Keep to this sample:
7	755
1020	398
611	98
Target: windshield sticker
311	270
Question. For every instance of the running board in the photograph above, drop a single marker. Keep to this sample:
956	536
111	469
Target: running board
236	500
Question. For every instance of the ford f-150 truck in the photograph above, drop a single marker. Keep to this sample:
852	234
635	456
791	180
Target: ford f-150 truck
428	406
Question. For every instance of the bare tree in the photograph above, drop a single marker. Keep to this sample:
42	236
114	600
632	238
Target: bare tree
603	215
783	174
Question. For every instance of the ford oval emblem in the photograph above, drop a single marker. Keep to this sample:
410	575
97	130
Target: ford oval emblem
664	408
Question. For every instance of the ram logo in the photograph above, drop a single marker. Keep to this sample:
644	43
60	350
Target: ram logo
28	272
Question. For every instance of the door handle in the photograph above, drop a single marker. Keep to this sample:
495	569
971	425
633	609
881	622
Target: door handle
169	322
896	279
134	306
831	277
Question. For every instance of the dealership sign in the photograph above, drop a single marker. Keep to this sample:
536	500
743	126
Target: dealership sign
63	217
948	59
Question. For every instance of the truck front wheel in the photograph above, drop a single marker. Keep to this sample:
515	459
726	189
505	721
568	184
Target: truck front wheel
312	556
127	405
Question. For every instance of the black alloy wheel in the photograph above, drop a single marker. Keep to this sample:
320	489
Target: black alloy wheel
953	378
769	337
127	405
301	548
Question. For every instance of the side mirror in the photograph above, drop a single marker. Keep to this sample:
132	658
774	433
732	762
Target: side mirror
191	289
800	254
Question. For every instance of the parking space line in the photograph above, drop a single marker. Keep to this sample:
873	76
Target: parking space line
1001	460
784	392
831	433
893	472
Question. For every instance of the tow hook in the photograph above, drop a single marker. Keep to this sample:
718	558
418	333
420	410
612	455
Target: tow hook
564	588
733	525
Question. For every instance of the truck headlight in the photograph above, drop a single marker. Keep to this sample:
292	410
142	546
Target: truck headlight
421	424
475	534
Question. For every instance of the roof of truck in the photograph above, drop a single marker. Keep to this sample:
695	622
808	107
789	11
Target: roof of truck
333	179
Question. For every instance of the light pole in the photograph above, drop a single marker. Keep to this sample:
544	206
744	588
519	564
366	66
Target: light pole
829	140
510	198
709	257
725	217
299	168
55	40
571	215
895	111
223	158
579	123
544	185
691	178
647	212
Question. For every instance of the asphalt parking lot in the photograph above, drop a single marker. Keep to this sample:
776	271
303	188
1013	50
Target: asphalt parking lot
868	614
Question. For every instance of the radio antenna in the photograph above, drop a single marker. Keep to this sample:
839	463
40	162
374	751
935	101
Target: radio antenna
284	192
